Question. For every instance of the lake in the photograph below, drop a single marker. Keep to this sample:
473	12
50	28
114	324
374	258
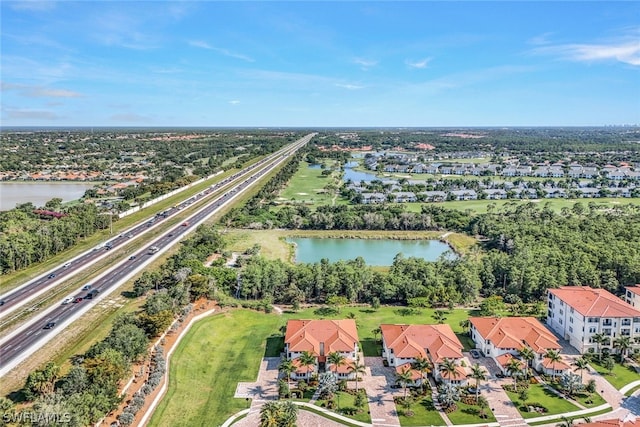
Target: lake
373	251
39	193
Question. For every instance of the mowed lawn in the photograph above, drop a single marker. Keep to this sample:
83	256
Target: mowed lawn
308	186
216	354
538	394
224	349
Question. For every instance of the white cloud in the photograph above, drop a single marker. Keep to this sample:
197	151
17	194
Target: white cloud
349	86
200	43
626	51
33	5
234	102
540	39
419	64
39	91
365	64
204	45
25	114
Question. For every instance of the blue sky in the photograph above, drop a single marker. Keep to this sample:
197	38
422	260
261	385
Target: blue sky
300	63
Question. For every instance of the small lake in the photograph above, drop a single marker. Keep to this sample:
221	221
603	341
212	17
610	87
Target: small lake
373	251
39	193
357	176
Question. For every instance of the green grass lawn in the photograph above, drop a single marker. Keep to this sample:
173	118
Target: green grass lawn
480	206
620	375
424	414
212	358
465	414
539	394
346	400
224	349
307	185
584	398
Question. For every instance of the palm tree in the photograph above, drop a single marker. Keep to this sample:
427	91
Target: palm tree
376	331
566	422
449	368
307	359
287	368
465	325
478	374
581	364
598	339
269	414
554	357
336	359
439	316
422	365
527	354
357	368
514	368
404	378
622	344
288	414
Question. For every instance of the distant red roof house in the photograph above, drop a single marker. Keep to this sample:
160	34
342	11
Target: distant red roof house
629	421
423	146
632	296
403	344
320	338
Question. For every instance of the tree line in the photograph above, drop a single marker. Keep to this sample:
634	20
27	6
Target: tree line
26	238
90	389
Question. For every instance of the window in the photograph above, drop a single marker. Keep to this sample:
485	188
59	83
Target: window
570	319
561	320
592	330
570	328
561	312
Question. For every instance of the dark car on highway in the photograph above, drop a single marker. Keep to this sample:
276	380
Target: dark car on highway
51	276
50	325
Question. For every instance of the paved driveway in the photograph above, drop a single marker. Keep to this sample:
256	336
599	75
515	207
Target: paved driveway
377	382
266	386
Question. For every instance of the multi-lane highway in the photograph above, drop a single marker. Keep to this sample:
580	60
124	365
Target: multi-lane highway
33	334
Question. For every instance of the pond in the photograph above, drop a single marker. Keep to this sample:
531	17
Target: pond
39	193
357	176
373	251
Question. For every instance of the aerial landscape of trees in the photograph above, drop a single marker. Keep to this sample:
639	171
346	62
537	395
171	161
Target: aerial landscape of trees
521	251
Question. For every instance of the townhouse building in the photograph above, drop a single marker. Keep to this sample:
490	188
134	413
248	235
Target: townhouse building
321	338
577	313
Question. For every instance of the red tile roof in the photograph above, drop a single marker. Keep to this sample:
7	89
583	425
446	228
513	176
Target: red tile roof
630	421
515	332
415	374
560	365
307	335
594	302
503	360
634	289
410	341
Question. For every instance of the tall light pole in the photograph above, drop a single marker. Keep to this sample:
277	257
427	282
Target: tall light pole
110	220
